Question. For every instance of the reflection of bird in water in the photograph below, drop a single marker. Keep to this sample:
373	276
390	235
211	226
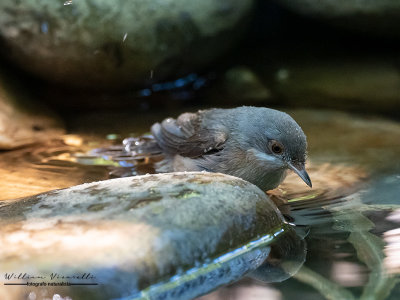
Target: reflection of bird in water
253	143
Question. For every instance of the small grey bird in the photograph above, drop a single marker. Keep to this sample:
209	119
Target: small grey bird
254	143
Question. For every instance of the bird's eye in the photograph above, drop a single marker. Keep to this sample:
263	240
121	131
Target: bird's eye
276	147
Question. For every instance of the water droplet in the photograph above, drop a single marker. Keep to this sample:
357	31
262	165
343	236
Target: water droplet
69	2
125	36
151	74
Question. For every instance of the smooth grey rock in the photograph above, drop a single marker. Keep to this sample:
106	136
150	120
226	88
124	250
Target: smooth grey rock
100	43
377	17
170	236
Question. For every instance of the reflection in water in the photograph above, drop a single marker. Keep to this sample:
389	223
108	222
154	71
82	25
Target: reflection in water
245	290
348	216
344	260
287	256
392	251
348	273
392	248
222	270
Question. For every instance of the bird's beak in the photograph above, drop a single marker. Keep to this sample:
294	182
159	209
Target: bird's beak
300	170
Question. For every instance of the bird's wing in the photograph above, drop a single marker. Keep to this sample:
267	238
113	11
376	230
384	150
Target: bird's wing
187	136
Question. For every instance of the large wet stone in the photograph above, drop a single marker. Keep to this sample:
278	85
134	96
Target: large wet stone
377	17
22	121
169	236
104	43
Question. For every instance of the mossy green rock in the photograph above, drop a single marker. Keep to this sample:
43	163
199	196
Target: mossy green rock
101	43
170	236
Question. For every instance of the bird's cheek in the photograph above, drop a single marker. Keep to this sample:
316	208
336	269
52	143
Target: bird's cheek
265	159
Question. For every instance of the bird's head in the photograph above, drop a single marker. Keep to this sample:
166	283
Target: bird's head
278	143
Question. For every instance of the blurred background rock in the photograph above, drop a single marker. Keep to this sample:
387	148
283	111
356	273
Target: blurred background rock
114	44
